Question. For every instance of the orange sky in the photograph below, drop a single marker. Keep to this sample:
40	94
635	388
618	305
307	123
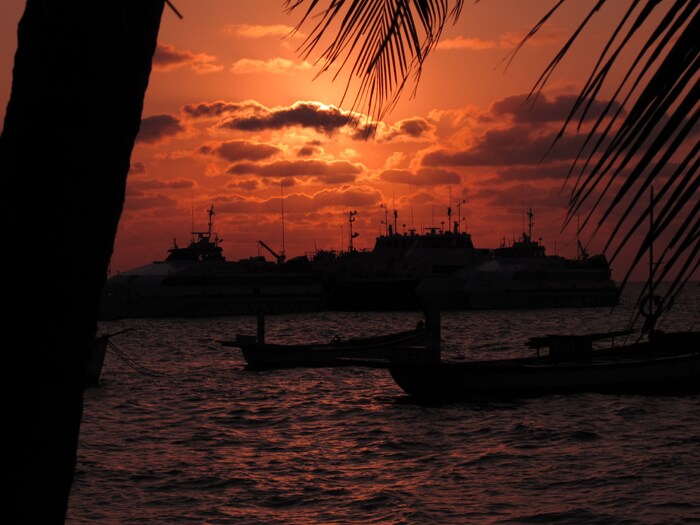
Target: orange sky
232	110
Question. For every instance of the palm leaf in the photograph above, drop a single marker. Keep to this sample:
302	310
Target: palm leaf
383	42
649	124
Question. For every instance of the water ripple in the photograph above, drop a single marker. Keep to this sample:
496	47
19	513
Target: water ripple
210	442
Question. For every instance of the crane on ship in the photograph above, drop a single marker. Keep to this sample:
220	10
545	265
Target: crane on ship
279	257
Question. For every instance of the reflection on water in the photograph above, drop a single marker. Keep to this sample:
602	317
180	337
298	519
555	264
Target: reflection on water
210	442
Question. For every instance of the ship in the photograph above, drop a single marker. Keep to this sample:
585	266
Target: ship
439	267
197	280
524	276
386	278
443	268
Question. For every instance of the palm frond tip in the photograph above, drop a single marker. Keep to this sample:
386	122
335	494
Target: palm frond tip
649	124
383	43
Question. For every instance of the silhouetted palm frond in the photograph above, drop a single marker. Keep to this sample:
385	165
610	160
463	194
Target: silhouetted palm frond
388	40
647	135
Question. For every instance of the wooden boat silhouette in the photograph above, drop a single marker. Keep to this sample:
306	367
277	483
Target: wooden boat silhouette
411	346
665	363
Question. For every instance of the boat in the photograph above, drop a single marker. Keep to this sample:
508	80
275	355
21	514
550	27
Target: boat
442	266
522	275
653	361
665	363
388	277
410	346
197	281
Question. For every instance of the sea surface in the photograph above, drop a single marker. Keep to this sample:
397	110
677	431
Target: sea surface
210	442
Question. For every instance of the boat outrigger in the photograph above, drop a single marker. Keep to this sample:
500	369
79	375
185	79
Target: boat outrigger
417	345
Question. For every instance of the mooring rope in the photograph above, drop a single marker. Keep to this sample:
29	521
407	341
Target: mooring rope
141	369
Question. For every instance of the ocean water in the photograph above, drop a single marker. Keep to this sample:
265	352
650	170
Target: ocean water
211	442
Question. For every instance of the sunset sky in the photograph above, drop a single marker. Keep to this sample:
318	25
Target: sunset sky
233	113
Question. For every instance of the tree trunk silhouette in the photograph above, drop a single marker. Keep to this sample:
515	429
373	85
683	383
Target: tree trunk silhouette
81	71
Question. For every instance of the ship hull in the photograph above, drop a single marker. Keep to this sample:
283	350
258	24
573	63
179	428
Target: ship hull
210	289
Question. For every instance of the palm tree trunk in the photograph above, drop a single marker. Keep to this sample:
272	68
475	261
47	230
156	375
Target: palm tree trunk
80	75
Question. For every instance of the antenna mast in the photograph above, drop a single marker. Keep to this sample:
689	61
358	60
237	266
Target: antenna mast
211	219
351	219
192	207
386	220
459	216
284	251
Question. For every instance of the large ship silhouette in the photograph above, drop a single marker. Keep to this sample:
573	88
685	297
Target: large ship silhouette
438	268
442	268
197	280
523	276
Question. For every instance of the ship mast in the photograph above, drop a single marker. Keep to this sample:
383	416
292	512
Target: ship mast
192	207
351	218
386	220
211	220
284	251
458	222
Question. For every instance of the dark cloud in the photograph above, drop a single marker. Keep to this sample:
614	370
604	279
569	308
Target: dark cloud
148	202
363	131
421	177
348	197
507	147
158	127
411	128
335	199
302	204
307	151
246	185
253	116
167	57
153	184
137	168
220	107
325	119
288	182
237	150
335	172
513	197
544	109
556	171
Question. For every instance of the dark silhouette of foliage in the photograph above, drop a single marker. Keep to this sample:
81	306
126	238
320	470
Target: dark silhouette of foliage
646	135
388	40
